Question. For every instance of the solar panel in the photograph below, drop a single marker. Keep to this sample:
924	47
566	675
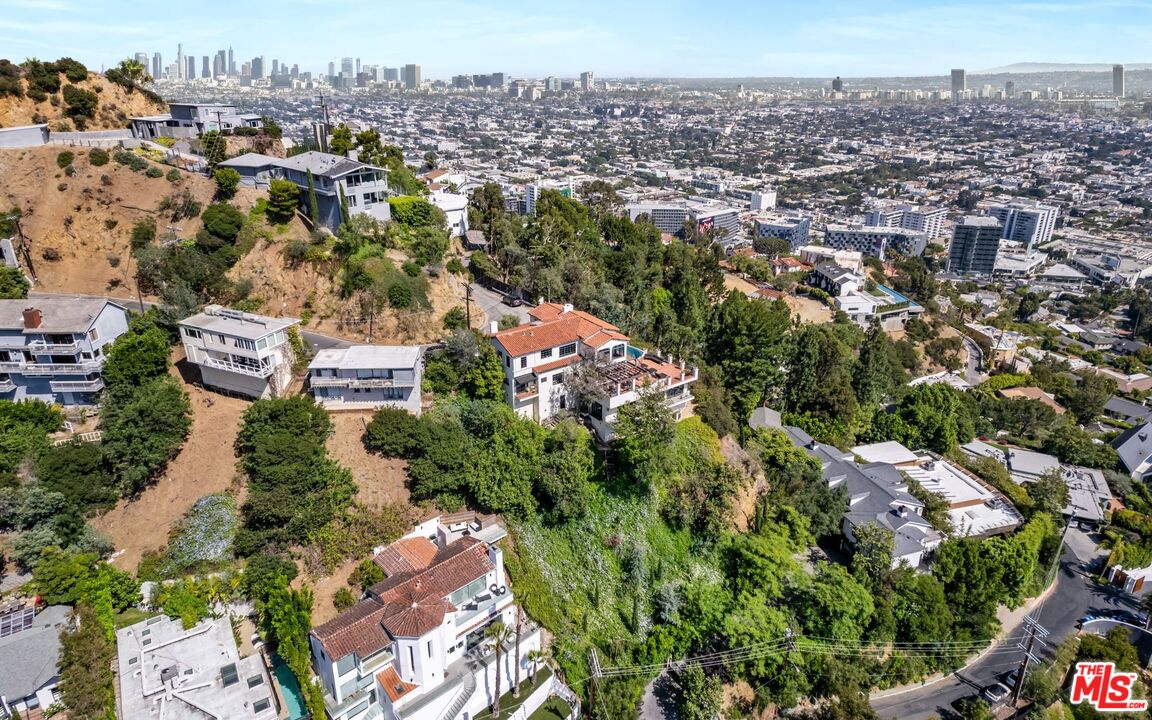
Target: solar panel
17	621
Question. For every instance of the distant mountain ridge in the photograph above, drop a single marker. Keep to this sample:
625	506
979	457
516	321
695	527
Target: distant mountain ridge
1026	67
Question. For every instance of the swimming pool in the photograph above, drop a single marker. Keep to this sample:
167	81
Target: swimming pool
293	699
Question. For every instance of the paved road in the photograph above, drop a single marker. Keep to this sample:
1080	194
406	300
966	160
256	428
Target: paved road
491	304
972	371
1075	595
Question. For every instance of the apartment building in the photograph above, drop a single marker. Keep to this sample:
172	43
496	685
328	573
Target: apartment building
335	179
671	217
975	245
367	377
793	228
414	647
820	255
167	671
667	217
53	349
541	357
927	220
1028	223
240	352
875	241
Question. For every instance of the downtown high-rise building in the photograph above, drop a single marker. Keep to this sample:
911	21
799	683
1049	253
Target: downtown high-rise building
220	63
157	66
1028	223
331	70
1118	81
275	66
391	74
1009	89
346	67
975	243
411	76
837	84
142	60
587	81
180	66
357	67
231	63
959	82
258	67
205	69
190	70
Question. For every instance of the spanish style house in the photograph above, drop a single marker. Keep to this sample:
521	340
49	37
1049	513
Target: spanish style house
415	648
240	352
541	357
53	349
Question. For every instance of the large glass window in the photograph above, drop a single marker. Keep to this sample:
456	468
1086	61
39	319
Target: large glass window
568	349
469	591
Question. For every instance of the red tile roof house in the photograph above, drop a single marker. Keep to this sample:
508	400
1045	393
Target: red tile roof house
414	647
539	358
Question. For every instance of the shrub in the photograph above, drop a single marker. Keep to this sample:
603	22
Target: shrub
393	433
134	162
204	537
111	223
223	221
143	232
343	599
366	574
98	157
283	198
81	104
50	254
400	296
65	158
154	172
74	70
227	180
455	318
411	269
174	176
62	186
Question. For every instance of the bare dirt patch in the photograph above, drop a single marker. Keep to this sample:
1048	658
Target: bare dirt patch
206	464
379	481
324	589
809	310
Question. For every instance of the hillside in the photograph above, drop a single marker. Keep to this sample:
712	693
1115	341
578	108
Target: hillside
27	97
84	222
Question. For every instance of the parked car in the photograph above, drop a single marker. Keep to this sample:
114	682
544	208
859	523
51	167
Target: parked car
514	299
995	694
1010	678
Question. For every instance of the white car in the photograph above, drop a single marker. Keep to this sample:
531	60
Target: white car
995	694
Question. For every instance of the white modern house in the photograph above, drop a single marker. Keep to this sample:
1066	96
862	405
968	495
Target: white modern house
850	296
168	672
539	360
368	377
240	352
455	207
53	349
414	648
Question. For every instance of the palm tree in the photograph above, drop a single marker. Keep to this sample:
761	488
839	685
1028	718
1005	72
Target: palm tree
498	635
535	657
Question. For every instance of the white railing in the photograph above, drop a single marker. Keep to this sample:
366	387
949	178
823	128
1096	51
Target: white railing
229	366
76	385
88	437
41	347
51	368
7	386
358	382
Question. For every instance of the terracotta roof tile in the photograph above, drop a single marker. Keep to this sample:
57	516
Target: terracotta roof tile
556	327
356	630
406	555
390	681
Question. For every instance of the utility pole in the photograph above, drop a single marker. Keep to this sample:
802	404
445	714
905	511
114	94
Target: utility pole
1034	629
468	303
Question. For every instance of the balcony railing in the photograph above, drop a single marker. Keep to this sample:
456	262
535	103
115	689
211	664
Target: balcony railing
77	385
262	371
42	369
359	382
7	386
38	348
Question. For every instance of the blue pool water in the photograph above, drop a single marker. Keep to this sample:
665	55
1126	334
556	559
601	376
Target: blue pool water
892	293
634	352
293	699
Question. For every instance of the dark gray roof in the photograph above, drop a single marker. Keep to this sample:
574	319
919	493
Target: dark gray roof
1127	409
1128	346
28	659
1134	446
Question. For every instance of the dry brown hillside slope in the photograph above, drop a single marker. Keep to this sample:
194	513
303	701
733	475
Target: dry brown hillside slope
87	226
116	105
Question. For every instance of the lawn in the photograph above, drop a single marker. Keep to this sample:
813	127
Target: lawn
508	704
131	616
553	709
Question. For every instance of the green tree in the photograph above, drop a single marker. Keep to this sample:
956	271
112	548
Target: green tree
144	430
393	432
566	471
283	199
700	694
745	342
872	554
227	180
313	203
834	604
484	379
772	247
86	680
1049	493
644	432
13	284
137	356
340	143
819	375
872	375
1086	400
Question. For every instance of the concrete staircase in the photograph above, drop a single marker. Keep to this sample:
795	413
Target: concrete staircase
462	698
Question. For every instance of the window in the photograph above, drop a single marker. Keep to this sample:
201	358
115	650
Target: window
261	705
618	351
229	675
133	661
147	641
507	361
262	343
523	362
191	332
546	353
255	680
245	344
566	350
429	648
93	335
411	659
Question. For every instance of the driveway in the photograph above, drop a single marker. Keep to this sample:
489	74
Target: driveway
491	304
974	365
1075	595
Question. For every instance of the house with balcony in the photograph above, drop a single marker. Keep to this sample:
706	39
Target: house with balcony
240	352
540	360
189	120
53	349
368	377
336	180
414	646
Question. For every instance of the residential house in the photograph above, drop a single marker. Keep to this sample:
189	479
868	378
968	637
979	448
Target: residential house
821	255
169	672
240	352
455	209
850	296
29	653
541	358
188	120
1024	466
415	646
1134	446
368	376
952	379
53	349
1089	497
1127	411
1033	393
338	183
1126	383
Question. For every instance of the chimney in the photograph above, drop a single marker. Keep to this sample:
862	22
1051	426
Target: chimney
32	317
568	307
493	327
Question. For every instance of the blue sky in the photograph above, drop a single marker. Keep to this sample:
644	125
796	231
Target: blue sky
700	38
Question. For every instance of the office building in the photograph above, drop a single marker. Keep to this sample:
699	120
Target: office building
190	71
205	68
1028	223
411	76
331	71
667	217
875	241
180	65
763	200
157	66
497	81
258	67
346	67
391	74
927	220
53	349
1118	80
975	243
231	63
837	85
142	60
587	81
1009	89
959	83
793	228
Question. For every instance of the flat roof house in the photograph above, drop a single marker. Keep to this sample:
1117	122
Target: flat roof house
168	672
29	653
53	349
363	187
240	352
188	120
368	376
540	357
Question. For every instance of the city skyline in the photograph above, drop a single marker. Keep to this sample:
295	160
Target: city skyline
824	38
